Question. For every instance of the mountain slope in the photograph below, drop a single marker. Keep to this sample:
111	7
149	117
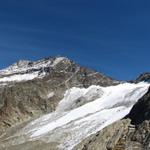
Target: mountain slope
92	109
78	104
30	89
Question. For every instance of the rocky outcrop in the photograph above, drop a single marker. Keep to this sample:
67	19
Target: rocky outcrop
105	139
141	110
136	138
144	77
121	135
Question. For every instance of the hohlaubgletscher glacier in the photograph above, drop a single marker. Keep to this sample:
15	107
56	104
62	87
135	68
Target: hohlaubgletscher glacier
83	112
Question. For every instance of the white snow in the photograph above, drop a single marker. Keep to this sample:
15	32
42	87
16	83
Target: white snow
18	71
75	97
19	77
57	60
51	94
101	106
25	65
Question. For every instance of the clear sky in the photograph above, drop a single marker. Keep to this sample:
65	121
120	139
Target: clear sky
111	36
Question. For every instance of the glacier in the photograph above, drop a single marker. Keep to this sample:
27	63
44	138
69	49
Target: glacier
82	112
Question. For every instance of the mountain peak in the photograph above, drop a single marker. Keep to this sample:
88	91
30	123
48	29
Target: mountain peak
26	65
144	77
53	67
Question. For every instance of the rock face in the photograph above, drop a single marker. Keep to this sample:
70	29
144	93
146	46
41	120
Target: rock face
141	110
107	139
144	77
30	89
121	135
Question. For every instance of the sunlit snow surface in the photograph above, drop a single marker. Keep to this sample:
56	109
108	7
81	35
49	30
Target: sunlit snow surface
83	112
26	70
19	77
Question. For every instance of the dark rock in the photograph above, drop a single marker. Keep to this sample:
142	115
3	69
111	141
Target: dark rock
141	110
144	77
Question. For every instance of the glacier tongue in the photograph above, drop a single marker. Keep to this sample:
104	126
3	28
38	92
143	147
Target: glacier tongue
83	112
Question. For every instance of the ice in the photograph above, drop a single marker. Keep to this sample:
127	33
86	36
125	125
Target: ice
101	106
76	97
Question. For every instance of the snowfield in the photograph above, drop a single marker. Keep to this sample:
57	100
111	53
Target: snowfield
83	112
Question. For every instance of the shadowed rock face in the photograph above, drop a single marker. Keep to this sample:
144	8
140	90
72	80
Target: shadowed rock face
25	100
141	110
144	77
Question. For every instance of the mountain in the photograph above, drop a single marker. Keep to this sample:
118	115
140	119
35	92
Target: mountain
26	70
55	103
29	89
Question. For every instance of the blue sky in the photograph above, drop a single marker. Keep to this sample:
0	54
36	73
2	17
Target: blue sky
110	36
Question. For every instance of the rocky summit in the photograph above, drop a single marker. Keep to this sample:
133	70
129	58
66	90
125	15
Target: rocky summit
56	104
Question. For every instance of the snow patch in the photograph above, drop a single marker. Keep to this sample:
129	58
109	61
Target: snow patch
51	94
57	61
19	77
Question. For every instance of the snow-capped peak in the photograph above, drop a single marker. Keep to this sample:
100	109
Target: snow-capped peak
27	70
24	65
